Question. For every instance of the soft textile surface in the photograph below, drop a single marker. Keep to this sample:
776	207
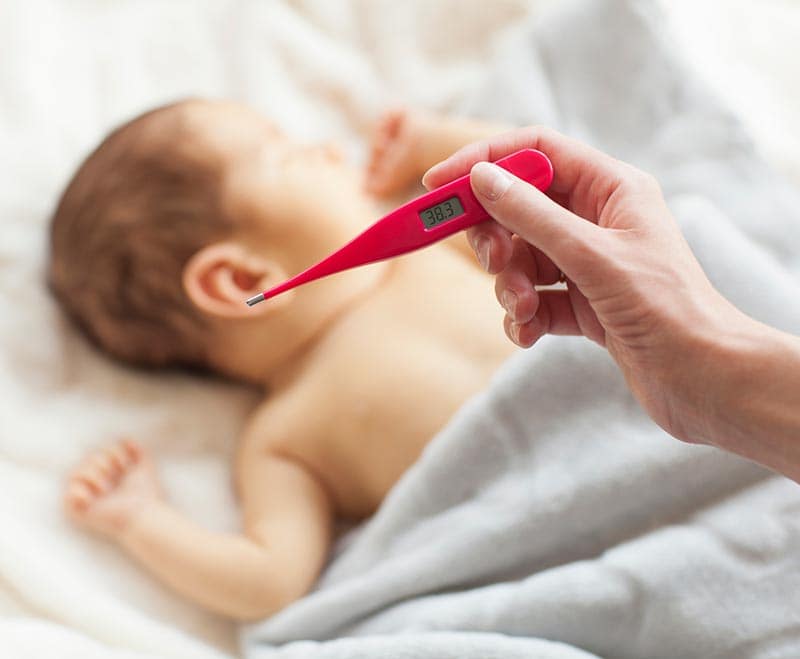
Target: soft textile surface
551	507
322	70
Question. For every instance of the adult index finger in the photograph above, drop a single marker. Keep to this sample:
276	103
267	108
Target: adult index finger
574	163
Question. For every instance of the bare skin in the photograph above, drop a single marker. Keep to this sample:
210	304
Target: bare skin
703	370
362	369
405	144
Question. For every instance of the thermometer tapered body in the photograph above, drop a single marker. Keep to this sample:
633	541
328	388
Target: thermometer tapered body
421	222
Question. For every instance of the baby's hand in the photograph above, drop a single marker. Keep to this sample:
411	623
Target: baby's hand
110	487
395	156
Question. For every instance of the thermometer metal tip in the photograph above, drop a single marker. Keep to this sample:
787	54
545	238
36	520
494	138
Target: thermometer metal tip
252	301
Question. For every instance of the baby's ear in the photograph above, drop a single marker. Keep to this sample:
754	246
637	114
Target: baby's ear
221	276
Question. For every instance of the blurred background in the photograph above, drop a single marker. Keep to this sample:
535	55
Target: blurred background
323	70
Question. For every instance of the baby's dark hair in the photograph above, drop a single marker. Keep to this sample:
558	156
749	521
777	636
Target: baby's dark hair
137	209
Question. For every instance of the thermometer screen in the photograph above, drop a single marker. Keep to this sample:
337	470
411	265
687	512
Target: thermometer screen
441	212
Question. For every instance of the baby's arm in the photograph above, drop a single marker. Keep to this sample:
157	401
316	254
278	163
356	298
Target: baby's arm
248	576
406	143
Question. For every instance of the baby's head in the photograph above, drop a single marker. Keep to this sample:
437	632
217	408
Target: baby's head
183	213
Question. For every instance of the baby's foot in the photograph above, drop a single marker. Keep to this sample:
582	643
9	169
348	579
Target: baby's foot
396	159
110	487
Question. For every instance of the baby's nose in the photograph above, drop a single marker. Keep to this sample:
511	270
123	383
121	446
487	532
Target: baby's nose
328	151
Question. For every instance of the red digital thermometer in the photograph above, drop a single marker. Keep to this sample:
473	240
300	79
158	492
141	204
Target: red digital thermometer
422	221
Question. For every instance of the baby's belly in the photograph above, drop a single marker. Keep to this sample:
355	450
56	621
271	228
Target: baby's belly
398	370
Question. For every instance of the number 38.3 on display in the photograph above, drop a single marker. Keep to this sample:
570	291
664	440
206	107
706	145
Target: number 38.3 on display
442	212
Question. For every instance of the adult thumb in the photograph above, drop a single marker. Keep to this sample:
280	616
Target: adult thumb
526	211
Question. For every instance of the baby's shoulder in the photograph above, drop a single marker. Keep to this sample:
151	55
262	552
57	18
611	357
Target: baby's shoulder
283	422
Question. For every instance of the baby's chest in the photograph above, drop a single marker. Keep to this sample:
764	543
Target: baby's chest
376	415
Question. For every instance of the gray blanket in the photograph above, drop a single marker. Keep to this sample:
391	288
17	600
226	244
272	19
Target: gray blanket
552	518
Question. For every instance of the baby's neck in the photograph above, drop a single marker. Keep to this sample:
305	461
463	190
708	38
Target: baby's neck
277	352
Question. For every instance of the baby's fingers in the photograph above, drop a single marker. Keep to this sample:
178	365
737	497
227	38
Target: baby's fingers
78	496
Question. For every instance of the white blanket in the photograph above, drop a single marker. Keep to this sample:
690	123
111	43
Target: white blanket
551	508
70	71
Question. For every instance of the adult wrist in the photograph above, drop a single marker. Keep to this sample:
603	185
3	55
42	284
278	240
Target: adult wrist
753	403
693	368
734	349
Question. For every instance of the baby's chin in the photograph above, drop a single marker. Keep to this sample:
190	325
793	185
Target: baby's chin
349	196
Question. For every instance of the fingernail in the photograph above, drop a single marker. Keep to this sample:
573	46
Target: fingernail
490	181
509	300
426	175
482	249
515	332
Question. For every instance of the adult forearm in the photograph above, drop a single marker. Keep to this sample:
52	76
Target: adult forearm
756	408
225	573
702	370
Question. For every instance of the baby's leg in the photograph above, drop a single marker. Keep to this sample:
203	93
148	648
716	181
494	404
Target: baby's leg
406	143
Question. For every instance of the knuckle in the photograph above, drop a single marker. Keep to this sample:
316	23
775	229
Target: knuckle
534	134
474	234
540	130
650	183
507	327
643	182
584	248
475	152
590	252
501	285
532	131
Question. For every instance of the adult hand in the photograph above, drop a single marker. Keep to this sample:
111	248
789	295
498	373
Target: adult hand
632	282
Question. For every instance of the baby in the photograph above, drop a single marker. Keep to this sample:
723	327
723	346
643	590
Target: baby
167	227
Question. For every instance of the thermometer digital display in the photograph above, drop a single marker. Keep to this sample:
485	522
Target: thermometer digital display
422	221
441	212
